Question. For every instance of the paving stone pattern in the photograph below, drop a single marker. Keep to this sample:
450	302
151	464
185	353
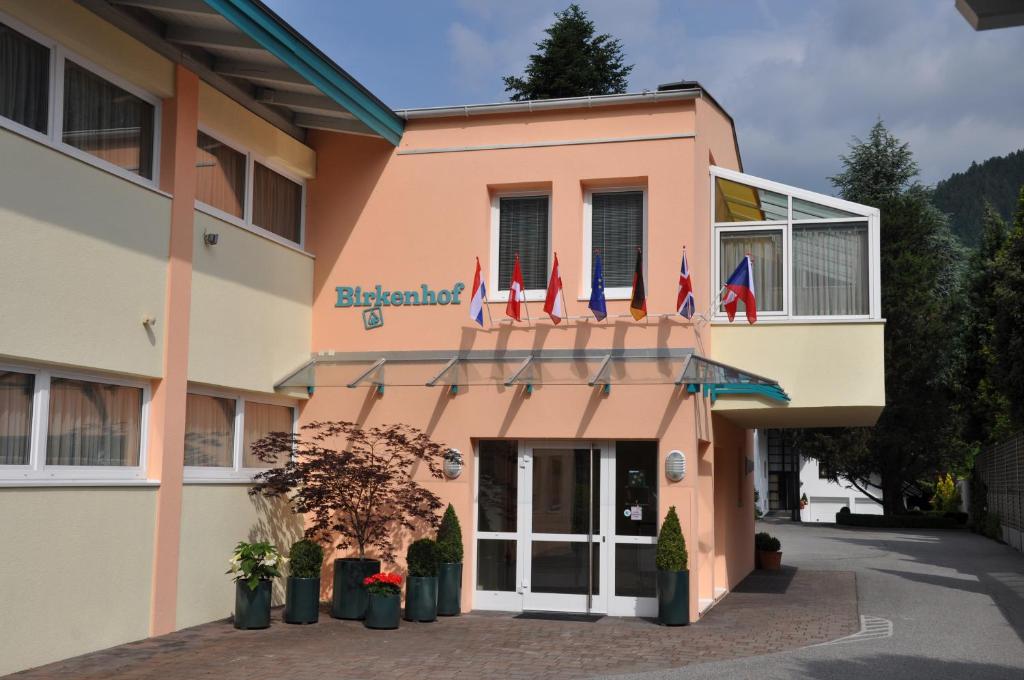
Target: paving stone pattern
768	612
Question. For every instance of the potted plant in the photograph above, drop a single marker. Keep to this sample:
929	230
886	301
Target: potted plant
383	600
356	485
421	583
254	565
449	569
302	592
768	553
673	575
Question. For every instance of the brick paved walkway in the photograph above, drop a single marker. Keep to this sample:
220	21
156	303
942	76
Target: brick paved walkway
766	613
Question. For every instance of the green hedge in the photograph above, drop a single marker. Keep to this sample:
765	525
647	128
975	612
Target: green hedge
920	521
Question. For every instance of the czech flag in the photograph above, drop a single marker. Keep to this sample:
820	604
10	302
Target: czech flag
516	292
638	300
684	299
598	305
476	303
740	286
553	300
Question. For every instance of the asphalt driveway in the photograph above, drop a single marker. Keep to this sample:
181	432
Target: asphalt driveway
955	601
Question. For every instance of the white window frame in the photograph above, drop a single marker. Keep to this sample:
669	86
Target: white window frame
195	474
615	292
54	137
496	293
37	471
245	222
862	215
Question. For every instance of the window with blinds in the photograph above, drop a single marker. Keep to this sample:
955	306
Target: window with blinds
616	231
523	229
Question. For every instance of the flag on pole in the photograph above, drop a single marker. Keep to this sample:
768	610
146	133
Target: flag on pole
476	303
740	286
684	299
553	300
638	300
598	305
516	292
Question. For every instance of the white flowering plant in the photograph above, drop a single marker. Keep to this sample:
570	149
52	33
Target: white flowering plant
252	563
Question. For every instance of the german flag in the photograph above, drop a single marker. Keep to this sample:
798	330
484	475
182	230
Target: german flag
638	300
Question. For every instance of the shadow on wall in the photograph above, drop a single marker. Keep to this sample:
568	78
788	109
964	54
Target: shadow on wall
905	665
280	526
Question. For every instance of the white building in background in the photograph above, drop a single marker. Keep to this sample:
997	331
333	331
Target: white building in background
782	476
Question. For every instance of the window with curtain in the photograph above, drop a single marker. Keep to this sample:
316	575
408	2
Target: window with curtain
616	231
276	203
16	391
93	424
523	229
261	420
220	176
830	269
106	121
209	431
24	80
765	246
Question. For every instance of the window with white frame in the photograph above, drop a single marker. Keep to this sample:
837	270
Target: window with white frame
220	431
521	225
237	187
814	256
615	225
59	426
61	99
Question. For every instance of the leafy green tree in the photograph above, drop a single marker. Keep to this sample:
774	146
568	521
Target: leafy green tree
572	62
1008	326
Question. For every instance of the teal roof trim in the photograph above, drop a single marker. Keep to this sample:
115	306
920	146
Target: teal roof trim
770	392
263	26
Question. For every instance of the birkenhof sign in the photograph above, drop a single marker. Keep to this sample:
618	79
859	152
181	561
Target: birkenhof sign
377	296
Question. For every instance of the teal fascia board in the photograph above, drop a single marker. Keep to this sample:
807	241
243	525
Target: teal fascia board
255	21
771	392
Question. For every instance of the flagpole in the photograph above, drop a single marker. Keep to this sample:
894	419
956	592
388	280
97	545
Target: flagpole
487	305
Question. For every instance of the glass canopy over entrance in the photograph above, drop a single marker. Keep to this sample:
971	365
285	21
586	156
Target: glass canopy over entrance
509	368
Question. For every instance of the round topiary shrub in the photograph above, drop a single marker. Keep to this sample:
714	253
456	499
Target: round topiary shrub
421	558
305	559
765	542
671	554
449	538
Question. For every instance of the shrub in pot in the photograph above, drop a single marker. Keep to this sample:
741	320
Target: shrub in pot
768	553
383	592
302	591
449	568
673	576
254	565
421	583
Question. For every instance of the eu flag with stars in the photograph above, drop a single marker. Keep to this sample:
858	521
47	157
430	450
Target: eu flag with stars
597	302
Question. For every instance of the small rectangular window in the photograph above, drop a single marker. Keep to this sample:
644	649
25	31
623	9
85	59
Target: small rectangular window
16	391
617	230
261	420
830	269
93	424
106	121
209	431
766	249
220	176
24	80
276	203
523	229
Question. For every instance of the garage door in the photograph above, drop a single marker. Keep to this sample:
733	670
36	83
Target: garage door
825	509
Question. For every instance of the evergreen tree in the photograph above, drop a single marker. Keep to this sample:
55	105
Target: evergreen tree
966	195
571	62
877	169
1008	326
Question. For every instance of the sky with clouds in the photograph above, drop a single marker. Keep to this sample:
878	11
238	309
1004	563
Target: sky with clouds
800	77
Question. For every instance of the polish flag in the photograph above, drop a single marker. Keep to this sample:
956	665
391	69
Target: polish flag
516	292
553	301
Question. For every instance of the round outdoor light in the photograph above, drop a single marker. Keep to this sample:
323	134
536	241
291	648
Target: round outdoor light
675	466
452	463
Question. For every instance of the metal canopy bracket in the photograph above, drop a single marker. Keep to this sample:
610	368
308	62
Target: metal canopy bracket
453	388
599	377
514	378
367	373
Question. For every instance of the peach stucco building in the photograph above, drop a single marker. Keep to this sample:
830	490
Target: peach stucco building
211	231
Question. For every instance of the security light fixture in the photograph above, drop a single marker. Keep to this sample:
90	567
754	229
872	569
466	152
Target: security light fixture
210	238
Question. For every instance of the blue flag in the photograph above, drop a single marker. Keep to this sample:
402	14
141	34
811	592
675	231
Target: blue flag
597	302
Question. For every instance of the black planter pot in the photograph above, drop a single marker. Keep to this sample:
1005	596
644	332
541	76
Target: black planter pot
421	598
302	600
449	589
382	611
350	598
252	607
674	598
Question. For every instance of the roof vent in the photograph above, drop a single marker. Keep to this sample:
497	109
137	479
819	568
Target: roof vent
679	85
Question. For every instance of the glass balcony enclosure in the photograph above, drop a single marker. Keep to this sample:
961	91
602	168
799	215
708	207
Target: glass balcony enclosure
815	257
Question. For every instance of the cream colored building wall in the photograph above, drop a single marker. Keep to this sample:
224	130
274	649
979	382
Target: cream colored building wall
81	31
214	518
84	259
75	576
251	308
834	373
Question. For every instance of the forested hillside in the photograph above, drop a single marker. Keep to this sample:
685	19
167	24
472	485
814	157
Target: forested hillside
963	195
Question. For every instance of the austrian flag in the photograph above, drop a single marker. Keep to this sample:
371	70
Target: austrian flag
516	292
553	301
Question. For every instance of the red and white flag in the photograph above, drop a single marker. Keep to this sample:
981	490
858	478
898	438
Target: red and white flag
516	292
553	301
